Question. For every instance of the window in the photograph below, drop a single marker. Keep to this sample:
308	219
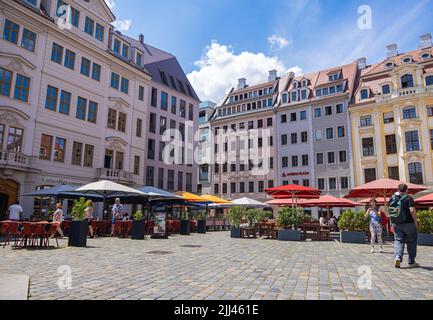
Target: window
409	113
96	72
251	187
331	157
139	59
51	99
321	184
293	117
284	139
161	178
81	108
415	173
29	40
431	139
85	67
116	46
121	125
99	32
224	188
89	26
368	147
303	115
332	183
77	152
294	138
285	162
115	81
318	135
339	108
15	139
59	150
341	132
304	136
319	159
412	141
161	151
22	87
386	89
303	94
182	109
370	175
216	189
11	31
391	144
164	100
88	155
429	81
318	92
344	183
150	176
393	173
364	94
152	123
317	113
112	117
366	121
407	81
140	93
328	111
93	111
388	117
5	82
75	17
125	50
162	125
294	96
57	53
154	97
305	160
70	60
170	180
294	161
151	149
173	105
269	122
342	156
283	118
124	87
46	147
139	128
329	133
65	102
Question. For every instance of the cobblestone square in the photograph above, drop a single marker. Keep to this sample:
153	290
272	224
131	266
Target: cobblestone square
214	266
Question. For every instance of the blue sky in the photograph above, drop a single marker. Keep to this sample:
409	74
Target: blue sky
308	34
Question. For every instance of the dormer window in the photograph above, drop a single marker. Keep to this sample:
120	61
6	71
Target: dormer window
318	92
295	85
389	65
304	94
334	77
125	50
294	97
407	81
304	83
364	94
139	59
425	56
285	98
116	46
386	89
407	60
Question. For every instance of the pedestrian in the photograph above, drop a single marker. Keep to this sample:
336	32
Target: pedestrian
58	218
375	216
403	217
15	212
89	217
117	213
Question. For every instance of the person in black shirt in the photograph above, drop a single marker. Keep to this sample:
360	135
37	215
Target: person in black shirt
406	232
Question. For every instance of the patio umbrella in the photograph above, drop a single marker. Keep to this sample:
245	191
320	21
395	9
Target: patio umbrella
62	191
328	202
215	200
149	194
283	202
293	191
190	197
249	203
106	189
425	200
382	188
380	201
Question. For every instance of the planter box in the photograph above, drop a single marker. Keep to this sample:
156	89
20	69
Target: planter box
425	239
235	233
138	230
184	227
289	235
201	226
78	234
353	237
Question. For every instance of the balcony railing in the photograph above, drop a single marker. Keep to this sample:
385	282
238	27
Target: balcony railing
403	93
115	175
14	159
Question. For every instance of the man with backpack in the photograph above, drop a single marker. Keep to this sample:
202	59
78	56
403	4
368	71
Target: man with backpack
402	213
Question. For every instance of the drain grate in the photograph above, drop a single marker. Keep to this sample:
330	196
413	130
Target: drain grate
191	246
160	252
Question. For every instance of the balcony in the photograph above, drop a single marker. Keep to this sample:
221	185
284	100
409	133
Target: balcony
119	176
406	92
15	160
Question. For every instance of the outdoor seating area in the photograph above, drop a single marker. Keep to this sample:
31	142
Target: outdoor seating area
28	234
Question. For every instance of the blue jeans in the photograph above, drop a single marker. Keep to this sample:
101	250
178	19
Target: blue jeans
405	233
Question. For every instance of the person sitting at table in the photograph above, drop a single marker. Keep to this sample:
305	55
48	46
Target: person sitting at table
117	213
322	221
89	217
58	218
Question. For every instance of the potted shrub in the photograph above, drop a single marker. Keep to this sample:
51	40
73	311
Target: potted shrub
425	228
184	224
289	219
138	226
78	227
201	222
234	217
353	225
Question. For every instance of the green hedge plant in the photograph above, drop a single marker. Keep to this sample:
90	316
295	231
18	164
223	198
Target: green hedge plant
425	222
78	209
235	216
138	215
353	221
290	218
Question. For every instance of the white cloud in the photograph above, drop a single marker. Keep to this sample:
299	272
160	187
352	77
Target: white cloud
278	42
122	25
220	67
110	3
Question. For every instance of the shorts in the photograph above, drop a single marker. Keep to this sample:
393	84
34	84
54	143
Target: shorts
114	221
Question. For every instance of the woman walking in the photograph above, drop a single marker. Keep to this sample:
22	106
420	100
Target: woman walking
89	217
375	216
58	218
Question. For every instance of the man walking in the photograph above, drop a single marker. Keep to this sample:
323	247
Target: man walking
15	212
404	221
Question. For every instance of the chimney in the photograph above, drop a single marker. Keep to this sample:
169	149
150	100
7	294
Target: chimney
272	75
426	41
392	50
242	83
362	63
141	38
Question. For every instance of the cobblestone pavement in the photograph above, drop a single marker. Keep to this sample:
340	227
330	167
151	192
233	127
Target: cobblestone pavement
222	268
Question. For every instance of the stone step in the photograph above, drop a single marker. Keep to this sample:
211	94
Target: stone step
14	287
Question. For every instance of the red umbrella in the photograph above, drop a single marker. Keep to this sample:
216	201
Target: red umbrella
382	188
380	201
329	201
426	200
293	191
283	202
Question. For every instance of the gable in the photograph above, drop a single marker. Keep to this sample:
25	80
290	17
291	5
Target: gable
98	8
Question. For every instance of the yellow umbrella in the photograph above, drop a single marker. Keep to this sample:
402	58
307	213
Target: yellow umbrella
216	200
190	197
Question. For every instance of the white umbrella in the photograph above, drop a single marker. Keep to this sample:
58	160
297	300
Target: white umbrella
249	203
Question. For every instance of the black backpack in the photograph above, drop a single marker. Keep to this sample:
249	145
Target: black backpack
395	209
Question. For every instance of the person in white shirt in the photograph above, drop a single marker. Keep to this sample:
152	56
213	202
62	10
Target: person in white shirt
58	218
15	212
117	212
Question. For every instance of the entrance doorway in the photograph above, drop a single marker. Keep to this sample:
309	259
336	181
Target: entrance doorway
8	195
4	205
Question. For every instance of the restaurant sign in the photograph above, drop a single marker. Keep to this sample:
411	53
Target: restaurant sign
295	174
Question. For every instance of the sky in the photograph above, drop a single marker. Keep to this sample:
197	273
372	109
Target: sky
219	41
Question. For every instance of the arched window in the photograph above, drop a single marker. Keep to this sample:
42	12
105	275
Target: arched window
407	81
429	81
415	173
285	98
364	94
294	96
303	94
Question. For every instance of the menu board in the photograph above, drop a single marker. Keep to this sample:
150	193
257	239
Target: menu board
160	216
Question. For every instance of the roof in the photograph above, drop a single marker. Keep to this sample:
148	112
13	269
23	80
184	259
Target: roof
159	63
